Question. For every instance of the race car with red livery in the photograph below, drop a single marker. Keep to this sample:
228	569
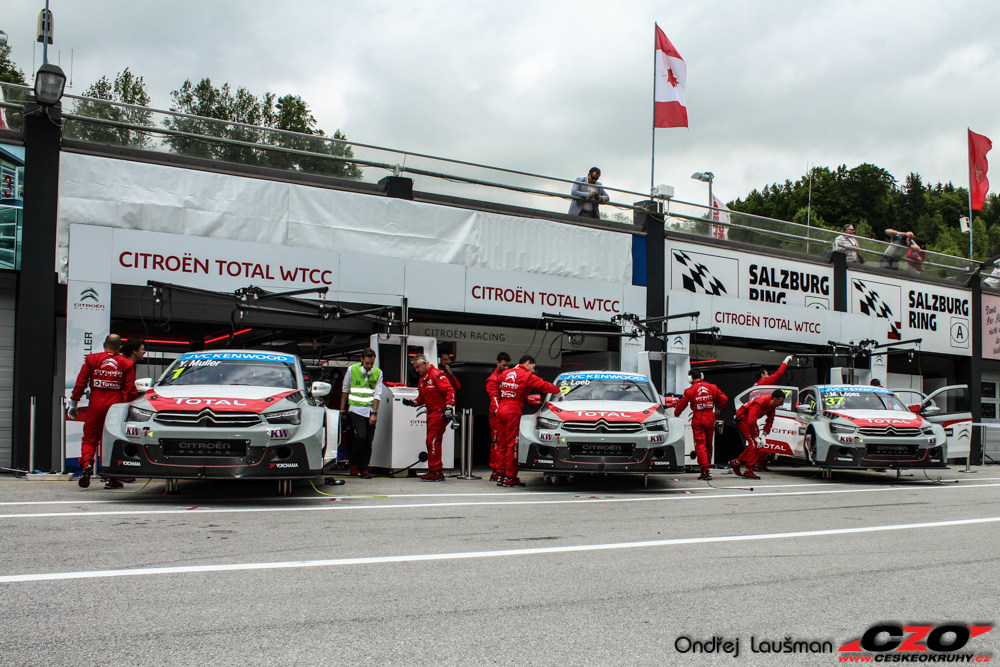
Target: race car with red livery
244	414
602	422
852	426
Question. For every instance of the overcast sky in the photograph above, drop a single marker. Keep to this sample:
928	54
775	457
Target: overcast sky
555	87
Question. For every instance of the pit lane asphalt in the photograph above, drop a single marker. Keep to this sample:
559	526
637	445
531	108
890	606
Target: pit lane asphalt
598	606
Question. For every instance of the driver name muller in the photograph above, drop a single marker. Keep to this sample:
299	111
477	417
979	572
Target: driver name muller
238	414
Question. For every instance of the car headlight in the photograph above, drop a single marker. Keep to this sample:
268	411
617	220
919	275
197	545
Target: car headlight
285	417
656	425
842	428
543	423
137	415
927	430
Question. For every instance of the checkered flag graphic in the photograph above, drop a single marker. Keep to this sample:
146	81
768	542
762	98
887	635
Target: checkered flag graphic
698	276
872	305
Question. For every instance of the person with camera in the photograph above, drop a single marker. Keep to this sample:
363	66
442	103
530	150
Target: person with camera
588	194
436	393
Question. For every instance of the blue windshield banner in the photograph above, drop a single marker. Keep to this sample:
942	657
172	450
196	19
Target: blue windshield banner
240	356
621	377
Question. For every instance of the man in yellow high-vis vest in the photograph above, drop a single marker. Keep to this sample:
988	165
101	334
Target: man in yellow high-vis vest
363	392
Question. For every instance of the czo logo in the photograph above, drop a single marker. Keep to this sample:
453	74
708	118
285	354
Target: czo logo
917	638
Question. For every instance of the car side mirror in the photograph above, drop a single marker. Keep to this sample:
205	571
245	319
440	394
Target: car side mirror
931	411
143	385
915	409
804	409
320	389
535	399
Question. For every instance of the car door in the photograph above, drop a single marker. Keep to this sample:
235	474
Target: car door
788	431
954	417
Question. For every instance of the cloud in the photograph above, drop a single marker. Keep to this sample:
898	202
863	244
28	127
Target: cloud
555	87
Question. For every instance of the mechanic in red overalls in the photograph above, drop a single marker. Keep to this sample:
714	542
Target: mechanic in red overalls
515	383
111	378
763	379
493	391
746	420
706	401
436	393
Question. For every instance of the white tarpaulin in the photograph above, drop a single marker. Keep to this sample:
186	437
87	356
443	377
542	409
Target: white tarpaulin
118	193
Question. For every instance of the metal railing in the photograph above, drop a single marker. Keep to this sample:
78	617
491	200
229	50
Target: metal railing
116	124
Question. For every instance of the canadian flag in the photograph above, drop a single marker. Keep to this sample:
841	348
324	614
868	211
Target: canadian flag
720	213
670	108
979	185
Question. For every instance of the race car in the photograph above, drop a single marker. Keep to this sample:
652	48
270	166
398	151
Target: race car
601	422
243	414
851	426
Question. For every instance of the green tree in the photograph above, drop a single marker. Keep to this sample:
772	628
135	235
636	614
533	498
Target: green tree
125	89
9	72
289	112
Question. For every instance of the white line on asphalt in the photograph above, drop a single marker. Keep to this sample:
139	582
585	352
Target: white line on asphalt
187	569
344	508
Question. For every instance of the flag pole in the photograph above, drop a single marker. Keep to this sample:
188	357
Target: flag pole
968	134
652	159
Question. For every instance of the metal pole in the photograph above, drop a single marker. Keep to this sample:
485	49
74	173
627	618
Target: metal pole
403	338
62	435
468	422
969	129
652	152
45	35
31	436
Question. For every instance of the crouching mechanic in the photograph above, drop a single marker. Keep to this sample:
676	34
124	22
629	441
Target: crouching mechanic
515	383
111	378
746	420
706	401
493	391
436	392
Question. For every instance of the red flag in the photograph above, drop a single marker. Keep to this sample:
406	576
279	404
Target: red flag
670	108
979	185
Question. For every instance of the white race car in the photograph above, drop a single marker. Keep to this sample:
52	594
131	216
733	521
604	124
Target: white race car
245	414
852	426
602	422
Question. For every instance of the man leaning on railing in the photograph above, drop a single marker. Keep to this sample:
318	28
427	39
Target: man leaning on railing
847	244
590	194
899	244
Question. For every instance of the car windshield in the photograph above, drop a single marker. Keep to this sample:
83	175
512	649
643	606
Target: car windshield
231	372
604	387
847	399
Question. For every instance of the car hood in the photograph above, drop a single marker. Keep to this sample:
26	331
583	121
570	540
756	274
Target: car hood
611	411
880	418
221	398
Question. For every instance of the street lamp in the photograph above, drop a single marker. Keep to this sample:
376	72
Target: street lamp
706	177
50	81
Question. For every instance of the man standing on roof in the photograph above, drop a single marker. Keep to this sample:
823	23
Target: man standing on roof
763	379
515	383
362	388
746	420
493	391
706	401
111	378
436	393
588	195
